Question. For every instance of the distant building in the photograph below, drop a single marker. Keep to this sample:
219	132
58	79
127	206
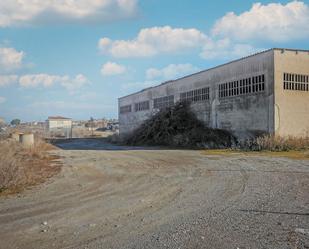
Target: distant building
263	93
59	126
2	121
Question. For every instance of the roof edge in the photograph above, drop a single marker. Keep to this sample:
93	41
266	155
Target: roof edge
58	118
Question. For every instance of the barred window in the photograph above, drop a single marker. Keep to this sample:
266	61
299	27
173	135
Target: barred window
296	82
142	106
163	102
196	95
243	86
125	109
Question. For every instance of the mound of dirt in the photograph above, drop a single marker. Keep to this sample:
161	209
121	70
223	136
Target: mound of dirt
178	126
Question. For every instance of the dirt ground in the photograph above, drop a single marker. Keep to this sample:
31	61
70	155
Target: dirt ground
122	197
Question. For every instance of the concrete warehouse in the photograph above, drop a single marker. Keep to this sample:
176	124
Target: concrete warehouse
267	92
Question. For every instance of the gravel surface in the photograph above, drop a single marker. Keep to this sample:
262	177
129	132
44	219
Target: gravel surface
123	197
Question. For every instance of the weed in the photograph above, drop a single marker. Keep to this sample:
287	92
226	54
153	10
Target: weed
21	167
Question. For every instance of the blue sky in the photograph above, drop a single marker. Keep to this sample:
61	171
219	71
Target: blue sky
75	58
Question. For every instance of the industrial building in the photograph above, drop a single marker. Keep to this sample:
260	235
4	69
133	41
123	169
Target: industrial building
267	92
58	126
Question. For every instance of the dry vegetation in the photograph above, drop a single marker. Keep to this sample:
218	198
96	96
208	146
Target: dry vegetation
21	167
276	143
269	145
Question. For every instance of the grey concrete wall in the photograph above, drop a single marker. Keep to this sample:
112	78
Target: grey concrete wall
291	106
252	112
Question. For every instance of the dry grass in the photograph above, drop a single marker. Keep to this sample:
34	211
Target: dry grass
269	145
21	167
276	143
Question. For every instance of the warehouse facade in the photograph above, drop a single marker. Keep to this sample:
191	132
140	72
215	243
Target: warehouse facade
266	92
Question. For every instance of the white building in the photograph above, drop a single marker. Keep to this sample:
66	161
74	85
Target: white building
59	126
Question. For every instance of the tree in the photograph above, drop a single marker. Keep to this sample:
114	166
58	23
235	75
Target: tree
91	124
15	122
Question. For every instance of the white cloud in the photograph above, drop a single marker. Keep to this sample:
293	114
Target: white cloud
21	12
112	68
6	80
154	75
46	80
274	21
34	80
166	40
226	49
229	37
171	71
10	59
151	41
73	84
2	100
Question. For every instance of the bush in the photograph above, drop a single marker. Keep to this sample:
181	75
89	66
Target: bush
179	126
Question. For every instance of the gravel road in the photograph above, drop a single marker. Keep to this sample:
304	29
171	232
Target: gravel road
123	197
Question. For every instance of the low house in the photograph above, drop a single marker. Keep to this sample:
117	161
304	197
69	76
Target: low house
59	126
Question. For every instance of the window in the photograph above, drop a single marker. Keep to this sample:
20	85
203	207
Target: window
163	102
243	86
196	95
125	109
142	106
296	82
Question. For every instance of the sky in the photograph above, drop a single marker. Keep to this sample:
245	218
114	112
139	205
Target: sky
75	58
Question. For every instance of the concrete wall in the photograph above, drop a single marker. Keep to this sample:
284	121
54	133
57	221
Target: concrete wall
59	124
252	112
291	106
60	127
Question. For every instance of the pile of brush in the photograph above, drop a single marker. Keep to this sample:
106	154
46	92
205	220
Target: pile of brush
178	126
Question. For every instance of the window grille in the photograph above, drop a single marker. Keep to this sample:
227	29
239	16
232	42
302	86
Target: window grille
196	95
163	102
243	86
125	109
296	82
141	106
